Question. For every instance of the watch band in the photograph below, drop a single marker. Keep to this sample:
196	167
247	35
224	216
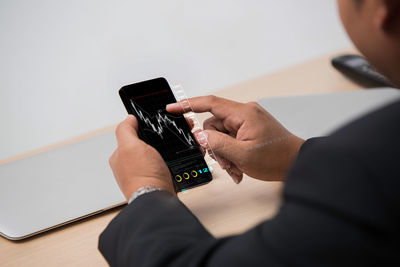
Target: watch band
143	190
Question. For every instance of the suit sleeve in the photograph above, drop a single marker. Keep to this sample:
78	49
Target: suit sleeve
324	213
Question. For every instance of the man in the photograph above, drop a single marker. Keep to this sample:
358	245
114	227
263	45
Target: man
341	200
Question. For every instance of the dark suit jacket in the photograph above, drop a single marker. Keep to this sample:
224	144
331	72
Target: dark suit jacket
341	208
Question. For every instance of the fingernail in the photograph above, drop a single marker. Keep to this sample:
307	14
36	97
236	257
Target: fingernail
172	105
202	138
235	178
223	165
226	165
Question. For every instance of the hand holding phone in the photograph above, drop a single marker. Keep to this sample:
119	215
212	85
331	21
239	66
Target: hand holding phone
135	163
168	133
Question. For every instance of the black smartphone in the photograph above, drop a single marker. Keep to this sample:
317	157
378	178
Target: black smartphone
359	70
168	133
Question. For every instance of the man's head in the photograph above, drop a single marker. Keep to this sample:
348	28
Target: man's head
374	27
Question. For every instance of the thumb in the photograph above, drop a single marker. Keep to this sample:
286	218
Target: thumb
221	144
126	131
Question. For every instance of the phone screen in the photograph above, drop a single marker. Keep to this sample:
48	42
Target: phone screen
168	133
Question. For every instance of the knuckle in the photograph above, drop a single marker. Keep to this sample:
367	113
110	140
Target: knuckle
111	159
119	128
124	149
207	123
234	122
254	106
211	98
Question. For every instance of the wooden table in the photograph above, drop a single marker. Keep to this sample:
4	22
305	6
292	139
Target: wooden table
222	206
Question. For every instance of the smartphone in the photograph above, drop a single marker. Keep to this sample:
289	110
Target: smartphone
168	133
359	69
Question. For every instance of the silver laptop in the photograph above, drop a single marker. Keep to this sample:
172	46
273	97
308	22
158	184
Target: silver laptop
68	183
56	187
320	114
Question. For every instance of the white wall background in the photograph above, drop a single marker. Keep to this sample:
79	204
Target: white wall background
62	62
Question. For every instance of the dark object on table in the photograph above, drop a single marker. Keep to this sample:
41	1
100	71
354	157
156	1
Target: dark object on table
360	71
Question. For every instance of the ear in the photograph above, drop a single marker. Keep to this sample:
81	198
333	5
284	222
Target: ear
387	16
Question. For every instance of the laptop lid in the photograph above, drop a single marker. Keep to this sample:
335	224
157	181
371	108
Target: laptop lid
52	188
320	114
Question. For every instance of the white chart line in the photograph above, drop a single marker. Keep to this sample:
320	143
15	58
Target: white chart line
161	120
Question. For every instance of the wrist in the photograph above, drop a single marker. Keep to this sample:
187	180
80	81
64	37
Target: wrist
297	144
293	148
292	152
142	191
136	183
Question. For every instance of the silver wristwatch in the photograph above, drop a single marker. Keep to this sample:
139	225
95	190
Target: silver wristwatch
143	190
